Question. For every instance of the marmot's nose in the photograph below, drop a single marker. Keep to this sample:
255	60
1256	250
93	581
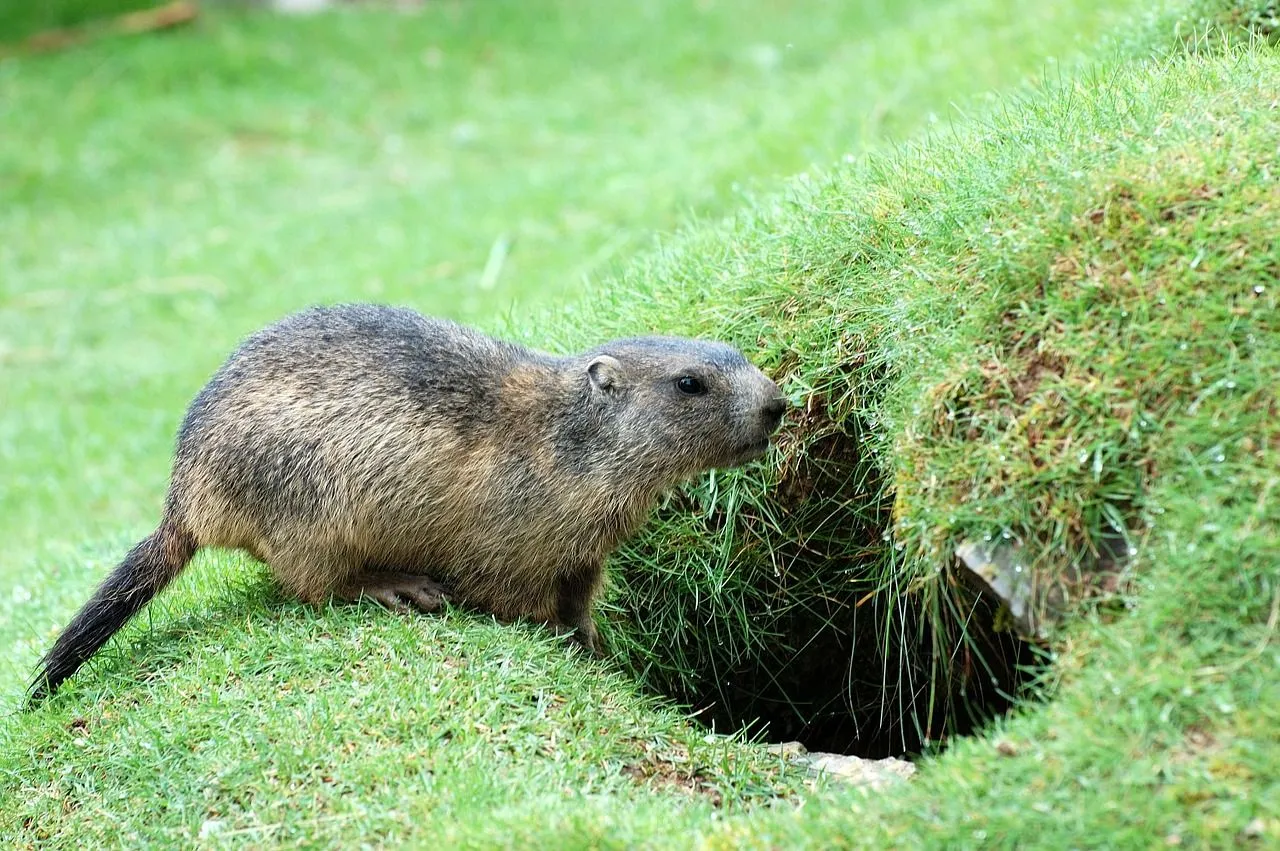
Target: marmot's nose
773	410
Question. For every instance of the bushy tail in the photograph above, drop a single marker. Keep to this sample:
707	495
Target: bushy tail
145	571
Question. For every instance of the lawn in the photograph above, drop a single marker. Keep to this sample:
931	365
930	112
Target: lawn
510	164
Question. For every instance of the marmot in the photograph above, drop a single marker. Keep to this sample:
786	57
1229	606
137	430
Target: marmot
370	451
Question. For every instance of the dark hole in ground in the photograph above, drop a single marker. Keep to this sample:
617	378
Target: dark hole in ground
852	668
861	692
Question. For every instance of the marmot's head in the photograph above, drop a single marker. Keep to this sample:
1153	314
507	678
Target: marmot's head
682	406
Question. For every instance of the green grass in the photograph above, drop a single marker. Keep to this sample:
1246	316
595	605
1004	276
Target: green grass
944	399
932	300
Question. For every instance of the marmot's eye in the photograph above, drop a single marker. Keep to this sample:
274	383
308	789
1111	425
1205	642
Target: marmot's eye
690	386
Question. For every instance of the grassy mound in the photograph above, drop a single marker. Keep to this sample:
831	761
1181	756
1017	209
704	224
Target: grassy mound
1021	335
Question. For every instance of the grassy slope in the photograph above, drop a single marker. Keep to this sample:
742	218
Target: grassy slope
1119	232
944	408
502	737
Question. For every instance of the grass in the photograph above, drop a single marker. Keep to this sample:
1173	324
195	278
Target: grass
943	400
925	305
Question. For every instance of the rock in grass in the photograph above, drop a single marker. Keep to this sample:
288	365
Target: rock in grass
1001	567
1036	599
871	773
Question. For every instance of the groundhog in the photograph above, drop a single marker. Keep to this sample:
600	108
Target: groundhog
366	451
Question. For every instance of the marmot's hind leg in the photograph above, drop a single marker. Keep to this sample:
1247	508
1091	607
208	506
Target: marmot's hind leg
400	592
310	573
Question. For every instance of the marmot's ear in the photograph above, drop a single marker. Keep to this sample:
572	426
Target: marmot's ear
604	373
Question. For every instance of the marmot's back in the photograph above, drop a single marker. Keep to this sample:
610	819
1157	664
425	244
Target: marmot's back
361	355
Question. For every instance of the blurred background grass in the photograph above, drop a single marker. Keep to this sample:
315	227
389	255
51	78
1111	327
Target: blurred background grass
165	195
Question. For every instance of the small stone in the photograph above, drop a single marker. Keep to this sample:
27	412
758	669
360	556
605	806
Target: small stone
210	827
869	773
1004	747
1000	566
300	7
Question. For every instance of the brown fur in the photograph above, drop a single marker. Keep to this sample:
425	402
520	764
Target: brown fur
370	451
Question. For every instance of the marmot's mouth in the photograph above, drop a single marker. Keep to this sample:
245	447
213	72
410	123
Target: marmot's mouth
750	451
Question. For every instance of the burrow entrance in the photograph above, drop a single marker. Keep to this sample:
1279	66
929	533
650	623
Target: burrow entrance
850	665
863	692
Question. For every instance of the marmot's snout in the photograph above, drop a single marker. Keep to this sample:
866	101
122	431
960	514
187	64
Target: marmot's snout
773	411
763	419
